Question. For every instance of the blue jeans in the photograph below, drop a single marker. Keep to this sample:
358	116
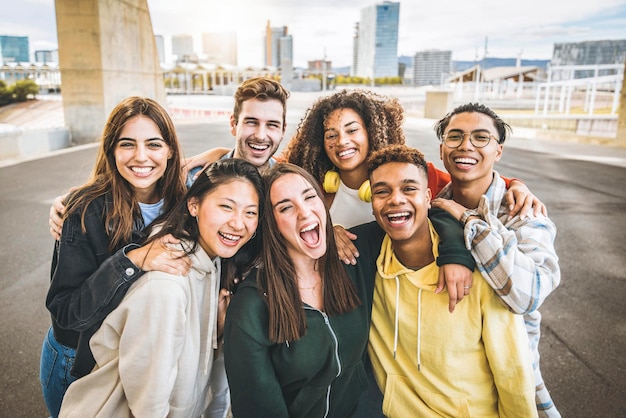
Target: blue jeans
54	372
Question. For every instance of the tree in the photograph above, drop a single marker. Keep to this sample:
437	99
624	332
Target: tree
24	90
5	94
19	92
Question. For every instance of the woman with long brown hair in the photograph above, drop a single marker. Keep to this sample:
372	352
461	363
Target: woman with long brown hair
297	328
136	178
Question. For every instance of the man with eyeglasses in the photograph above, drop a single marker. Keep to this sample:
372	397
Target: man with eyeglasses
516	256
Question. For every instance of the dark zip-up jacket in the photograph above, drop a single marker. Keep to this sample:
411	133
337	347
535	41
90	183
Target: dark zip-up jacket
87	281
322	374
319	375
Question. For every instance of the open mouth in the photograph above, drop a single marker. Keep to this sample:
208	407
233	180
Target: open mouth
258	148
230	239
311	234
398	218
465	161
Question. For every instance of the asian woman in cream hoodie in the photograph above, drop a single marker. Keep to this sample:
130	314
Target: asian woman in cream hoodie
155	353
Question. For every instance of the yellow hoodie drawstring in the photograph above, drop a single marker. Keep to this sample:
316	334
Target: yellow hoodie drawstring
395	334
419	327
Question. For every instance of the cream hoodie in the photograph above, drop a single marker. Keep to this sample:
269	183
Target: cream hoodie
154	352
430	363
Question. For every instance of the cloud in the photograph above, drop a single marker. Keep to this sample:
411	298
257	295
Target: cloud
543	32
327	26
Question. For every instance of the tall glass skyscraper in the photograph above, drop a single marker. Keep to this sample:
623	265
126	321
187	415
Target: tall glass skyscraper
278	47
14	49
377	49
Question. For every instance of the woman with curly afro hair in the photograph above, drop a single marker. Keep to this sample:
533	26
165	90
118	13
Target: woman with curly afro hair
367	116
333	141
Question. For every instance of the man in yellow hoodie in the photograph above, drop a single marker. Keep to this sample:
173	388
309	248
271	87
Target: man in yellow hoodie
474	362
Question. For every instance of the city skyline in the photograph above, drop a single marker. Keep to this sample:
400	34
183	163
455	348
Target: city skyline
326	28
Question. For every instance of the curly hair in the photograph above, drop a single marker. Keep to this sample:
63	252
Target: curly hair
397	154
383	117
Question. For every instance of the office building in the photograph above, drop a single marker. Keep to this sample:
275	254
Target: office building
182	48
355	51
47	56
286	52
286	60
14	49
220	48
589	53
377	41
430	67
278	47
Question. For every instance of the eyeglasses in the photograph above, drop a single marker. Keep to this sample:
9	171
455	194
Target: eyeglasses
479	139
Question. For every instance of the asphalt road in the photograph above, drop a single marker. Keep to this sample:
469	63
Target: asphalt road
584	321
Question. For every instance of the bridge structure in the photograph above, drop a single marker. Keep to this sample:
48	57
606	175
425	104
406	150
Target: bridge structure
107	52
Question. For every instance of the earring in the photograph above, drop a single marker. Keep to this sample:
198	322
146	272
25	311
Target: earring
253	235
331	181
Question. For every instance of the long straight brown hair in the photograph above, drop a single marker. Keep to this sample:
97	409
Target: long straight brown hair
277	274
122	211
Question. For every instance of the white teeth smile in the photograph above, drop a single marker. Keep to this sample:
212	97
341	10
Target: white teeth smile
398	217
259	147
230	237
141	170
309	228
465	160
347	152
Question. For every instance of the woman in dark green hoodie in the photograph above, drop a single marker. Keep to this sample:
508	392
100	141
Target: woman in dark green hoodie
297	328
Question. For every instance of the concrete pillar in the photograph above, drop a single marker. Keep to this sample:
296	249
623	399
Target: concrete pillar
107	52
621	113
438	104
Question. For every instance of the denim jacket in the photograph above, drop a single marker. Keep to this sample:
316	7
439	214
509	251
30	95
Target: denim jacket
88	280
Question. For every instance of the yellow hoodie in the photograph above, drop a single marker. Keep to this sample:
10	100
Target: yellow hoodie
474	362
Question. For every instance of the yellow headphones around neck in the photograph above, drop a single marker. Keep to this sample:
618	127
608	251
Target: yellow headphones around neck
331	185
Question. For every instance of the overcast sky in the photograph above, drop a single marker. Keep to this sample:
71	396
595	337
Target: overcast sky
326	27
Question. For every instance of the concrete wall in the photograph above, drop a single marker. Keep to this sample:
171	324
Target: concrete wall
17	143
107	52
438	104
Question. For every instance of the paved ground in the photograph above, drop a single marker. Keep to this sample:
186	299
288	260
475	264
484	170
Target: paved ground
584	321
